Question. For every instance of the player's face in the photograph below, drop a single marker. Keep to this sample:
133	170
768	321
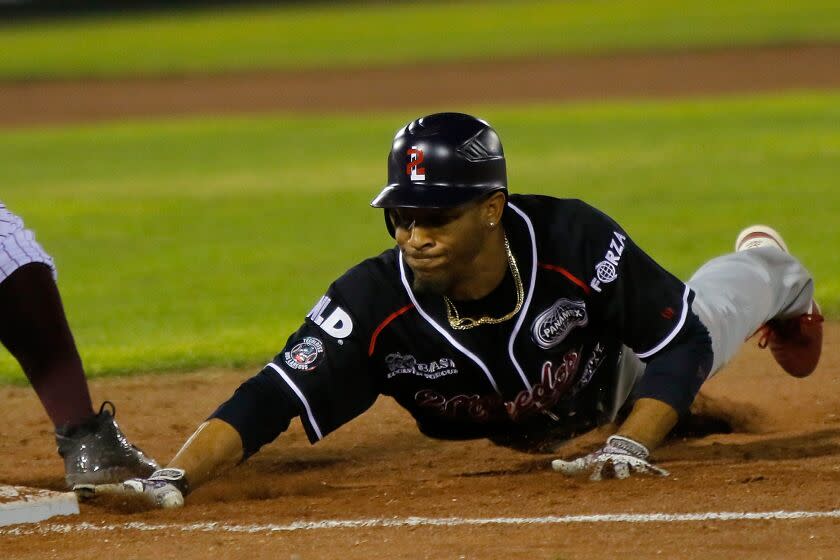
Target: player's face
441	246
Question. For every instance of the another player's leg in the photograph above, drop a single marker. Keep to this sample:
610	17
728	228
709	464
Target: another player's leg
760	286
35	330
794	336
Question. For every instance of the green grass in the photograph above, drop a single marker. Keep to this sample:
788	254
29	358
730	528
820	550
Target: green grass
189	243
349	34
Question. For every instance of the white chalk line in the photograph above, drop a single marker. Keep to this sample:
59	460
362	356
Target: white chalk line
213	526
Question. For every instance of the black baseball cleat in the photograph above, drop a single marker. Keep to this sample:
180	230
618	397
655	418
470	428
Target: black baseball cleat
97	452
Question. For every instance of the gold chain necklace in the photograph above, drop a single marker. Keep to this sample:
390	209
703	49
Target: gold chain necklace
462	323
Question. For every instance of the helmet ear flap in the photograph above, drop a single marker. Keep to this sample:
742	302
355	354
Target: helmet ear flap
389	224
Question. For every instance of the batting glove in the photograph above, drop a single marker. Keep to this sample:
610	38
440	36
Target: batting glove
165	488
619	458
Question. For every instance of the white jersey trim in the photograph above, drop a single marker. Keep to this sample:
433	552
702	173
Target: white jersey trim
299	393
524	310
674	332
442	331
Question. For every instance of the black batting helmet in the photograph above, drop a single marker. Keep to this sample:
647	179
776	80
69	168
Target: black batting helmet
443	160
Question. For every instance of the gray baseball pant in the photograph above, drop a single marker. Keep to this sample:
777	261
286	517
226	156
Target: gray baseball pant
735	294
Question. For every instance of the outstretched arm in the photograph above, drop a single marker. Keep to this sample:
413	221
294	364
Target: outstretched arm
628	450
649	422
667	388
321	376
212	449
255	415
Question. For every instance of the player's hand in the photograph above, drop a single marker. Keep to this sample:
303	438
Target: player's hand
165	488
619	458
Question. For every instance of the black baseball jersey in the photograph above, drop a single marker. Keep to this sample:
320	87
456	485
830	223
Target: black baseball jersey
588	290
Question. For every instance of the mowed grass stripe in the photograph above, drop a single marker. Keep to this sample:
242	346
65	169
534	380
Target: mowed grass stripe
351	34
183	244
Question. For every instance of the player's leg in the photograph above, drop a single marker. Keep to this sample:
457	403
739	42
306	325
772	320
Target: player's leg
758	285
35	330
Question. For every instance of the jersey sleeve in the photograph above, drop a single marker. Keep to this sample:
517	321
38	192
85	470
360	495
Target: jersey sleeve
259	411
642	303
649	309
324	367
322	374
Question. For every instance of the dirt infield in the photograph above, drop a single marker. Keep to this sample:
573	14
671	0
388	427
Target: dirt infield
427	87
421	498
784	455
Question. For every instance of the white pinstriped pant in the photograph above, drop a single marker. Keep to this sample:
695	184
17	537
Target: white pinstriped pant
18	246
735	294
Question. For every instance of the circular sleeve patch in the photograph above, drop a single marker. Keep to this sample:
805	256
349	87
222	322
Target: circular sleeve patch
305	355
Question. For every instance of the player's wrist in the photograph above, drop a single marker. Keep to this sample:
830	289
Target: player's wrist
649	422
173	476
623	444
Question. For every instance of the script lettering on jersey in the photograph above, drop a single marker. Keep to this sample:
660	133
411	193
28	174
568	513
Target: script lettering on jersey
479	408
413	169
399	364
337	323
554	382
606	271
555	323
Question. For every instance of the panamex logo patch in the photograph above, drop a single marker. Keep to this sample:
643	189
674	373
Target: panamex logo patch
606	271
555	323
337	323
413	169
399	364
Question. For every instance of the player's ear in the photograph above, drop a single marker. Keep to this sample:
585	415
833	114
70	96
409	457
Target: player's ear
493	207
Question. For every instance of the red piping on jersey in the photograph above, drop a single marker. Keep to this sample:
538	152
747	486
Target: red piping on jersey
574	279
384	324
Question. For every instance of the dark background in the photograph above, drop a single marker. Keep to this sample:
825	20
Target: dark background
18	10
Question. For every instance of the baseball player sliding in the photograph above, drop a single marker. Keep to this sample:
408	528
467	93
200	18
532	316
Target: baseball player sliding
524	319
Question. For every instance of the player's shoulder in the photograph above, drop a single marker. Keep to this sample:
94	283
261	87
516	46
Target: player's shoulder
381	268
569	219
373	280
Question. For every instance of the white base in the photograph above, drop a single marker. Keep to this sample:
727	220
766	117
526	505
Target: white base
19	504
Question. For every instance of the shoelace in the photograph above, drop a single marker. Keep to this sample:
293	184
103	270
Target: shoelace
113	412
110	405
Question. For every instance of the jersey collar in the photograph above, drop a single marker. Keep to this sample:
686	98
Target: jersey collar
521	234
